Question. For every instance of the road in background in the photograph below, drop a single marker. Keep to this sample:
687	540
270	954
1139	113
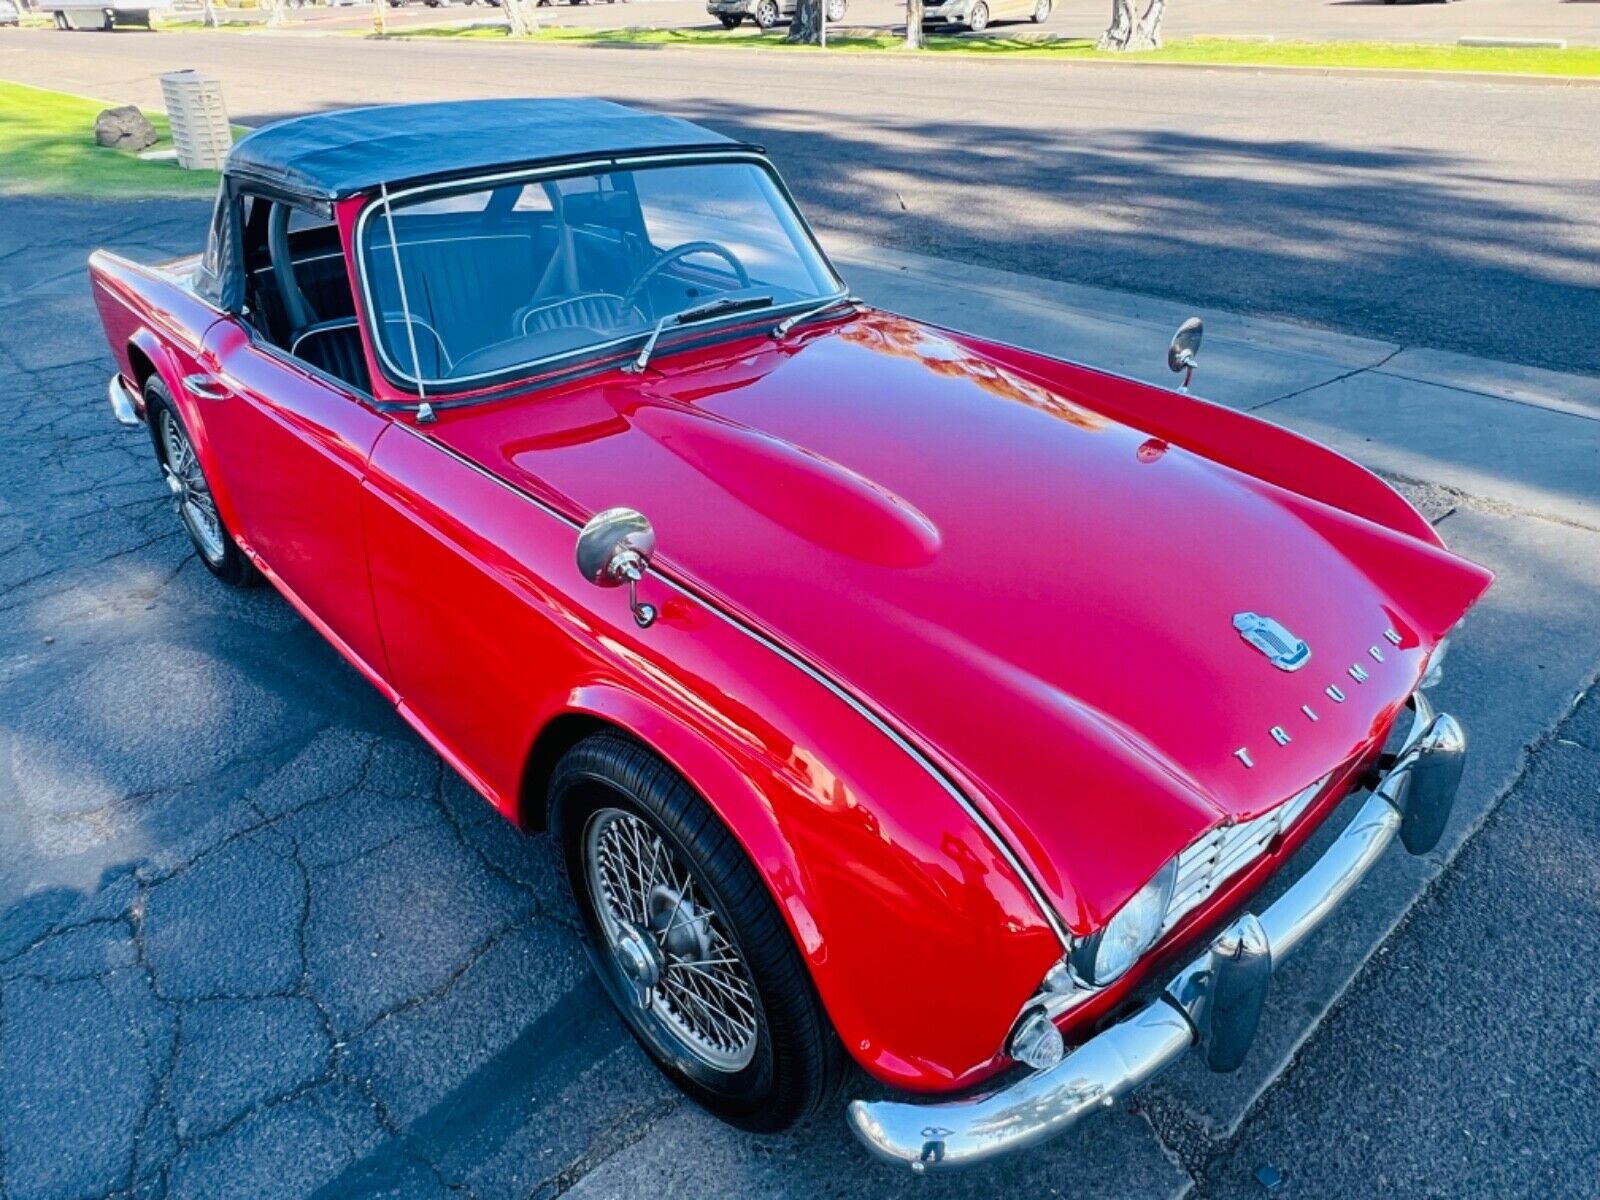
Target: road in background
1452	214
1346	20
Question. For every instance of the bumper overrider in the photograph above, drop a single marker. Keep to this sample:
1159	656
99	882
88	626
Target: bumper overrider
1212	1005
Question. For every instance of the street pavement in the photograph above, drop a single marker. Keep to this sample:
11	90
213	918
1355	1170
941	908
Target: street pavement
1453	215
256	940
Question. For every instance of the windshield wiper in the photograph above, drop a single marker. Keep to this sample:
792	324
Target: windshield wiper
781	329
712	308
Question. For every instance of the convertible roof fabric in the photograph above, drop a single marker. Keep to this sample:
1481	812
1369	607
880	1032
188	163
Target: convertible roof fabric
328	156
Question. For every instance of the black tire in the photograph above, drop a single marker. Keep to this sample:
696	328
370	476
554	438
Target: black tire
230	565
766	14
797	1063
731	21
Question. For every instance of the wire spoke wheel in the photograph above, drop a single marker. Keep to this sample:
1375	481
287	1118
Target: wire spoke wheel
191	494
669	943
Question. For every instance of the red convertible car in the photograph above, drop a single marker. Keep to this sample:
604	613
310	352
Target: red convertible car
894	695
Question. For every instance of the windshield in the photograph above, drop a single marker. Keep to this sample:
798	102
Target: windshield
501	280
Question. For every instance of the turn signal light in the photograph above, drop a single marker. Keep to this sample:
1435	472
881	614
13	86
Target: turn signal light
1036	1041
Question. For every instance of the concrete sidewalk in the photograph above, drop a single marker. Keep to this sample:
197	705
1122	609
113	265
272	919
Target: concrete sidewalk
1515	435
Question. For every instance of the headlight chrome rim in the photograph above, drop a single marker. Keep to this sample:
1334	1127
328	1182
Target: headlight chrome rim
1148	905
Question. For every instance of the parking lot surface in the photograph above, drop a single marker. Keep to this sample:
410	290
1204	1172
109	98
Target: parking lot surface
256	940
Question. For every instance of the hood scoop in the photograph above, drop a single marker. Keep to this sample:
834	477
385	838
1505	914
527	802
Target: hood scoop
811	496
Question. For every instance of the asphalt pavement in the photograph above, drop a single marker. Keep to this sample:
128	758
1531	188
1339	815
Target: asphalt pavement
256	940
1455	215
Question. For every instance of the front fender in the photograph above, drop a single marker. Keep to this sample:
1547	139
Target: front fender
922	943
1235	439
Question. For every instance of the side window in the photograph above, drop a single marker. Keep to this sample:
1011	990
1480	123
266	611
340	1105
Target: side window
299	289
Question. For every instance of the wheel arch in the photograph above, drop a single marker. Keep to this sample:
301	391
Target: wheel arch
719	781
846	879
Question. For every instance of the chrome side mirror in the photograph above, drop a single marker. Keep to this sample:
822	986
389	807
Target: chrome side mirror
1185	349
615	548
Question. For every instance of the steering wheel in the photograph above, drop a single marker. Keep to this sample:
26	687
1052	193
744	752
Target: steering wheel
683	250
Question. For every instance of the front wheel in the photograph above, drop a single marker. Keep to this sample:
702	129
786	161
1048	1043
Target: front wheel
978	19
836	11
1041	12
191	491
687	940
766	14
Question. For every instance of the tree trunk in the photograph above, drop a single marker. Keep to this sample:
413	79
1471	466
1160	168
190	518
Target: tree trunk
522	16
913	24
275	15
380	17
806	25
208	12
1129	31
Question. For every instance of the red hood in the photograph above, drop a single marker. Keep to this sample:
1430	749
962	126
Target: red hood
1043	596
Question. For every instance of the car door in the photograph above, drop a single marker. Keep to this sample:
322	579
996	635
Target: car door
292	444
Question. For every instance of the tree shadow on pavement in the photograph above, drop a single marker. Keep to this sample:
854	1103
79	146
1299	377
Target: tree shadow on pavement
1421	247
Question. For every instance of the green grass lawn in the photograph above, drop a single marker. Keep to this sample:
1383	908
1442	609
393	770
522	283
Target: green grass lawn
47	148
1216	51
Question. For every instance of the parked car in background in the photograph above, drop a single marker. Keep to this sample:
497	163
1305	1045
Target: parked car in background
766	13
976	14
890	694
9	14
78	15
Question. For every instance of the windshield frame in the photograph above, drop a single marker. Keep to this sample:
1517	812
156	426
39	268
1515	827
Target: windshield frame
597	355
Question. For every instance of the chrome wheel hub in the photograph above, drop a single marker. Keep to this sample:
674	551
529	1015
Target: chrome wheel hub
669	944
191	495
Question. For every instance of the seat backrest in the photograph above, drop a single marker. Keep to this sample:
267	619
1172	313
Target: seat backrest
335	347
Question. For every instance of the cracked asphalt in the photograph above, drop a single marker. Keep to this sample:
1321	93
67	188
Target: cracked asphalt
256	941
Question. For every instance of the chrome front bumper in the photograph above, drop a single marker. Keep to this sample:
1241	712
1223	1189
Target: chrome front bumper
1213	1004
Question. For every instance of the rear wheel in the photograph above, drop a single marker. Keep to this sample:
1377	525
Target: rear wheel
836	11
1041	12
687	940
730	22
978	18
191	491
766	14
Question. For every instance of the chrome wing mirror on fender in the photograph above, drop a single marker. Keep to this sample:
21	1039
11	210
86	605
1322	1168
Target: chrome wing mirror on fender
1185	349
615	548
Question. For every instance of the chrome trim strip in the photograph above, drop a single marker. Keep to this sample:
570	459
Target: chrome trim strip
1129	1054
873	718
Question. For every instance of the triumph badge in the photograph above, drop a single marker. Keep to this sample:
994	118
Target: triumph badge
1282	648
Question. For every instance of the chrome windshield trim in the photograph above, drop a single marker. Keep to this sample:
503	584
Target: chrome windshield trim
991	833
403	378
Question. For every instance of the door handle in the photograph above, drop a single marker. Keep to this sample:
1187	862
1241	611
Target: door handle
205	387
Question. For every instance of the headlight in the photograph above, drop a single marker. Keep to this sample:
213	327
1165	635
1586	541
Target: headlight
1435	670
1109	952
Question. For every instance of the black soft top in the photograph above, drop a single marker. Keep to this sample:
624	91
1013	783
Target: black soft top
324	157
